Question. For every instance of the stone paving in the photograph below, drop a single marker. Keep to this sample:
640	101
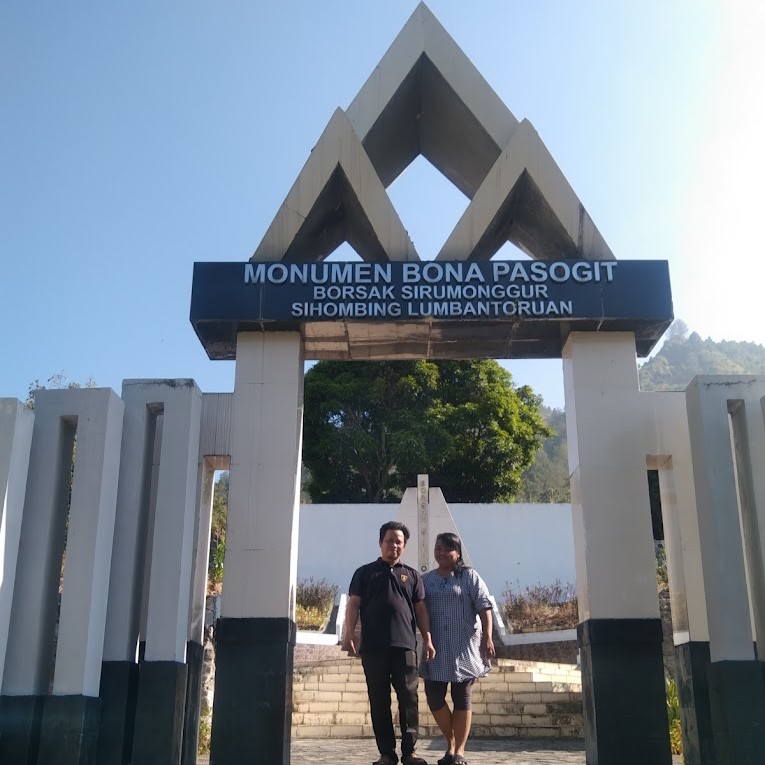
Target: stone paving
326	751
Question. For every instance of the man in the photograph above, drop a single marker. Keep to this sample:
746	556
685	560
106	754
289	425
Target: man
390	598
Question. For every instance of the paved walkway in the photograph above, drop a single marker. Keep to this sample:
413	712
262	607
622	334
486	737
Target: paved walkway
343	751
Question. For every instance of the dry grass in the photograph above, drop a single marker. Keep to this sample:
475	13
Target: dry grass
541	608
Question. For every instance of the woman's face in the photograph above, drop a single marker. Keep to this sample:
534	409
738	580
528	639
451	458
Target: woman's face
445	557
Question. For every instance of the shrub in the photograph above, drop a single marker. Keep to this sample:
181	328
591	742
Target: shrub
205	732
673	713
314	601
541	607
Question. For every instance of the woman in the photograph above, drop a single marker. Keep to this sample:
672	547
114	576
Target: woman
458	603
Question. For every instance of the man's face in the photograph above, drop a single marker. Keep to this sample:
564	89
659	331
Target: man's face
392	546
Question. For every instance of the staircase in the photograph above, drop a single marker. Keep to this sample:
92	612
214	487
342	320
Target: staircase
520	699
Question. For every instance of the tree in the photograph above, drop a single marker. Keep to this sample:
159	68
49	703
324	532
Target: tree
371	427
218	534
56	381
684	355
547	479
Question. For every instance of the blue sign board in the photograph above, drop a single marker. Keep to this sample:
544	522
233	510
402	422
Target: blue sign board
517	308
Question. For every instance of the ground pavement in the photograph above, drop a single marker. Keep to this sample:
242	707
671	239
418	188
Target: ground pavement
508	751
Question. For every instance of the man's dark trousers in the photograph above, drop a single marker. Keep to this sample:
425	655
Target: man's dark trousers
384	667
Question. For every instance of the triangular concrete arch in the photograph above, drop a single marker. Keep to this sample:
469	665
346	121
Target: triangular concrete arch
337	197
425	97
525	199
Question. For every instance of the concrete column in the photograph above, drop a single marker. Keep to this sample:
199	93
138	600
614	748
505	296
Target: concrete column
162	674
670	450
69	723
255	636
214	447
143	402
16	422
724	498
620	630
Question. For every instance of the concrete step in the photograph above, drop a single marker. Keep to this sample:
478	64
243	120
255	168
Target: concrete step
520	699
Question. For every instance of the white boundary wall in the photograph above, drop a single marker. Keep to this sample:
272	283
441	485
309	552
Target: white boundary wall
516	544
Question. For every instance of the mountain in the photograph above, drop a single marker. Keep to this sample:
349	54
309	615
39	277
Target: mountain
684	355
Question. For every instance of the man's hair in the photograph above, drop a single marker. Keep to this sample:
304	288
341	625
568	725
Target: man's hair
394	526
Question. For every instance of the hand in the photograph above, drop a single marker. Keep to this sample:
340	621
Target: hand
349	646
428	651
487	647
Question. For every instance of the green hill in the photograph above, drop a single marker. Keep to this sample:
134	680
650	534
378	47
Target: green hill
684	355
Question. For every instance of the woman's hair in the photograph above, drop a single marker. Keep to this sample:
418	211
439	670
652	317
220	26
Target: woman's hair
452	542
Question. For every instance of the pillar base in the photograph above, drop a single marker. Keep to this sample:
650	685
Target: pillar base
195	656
69	732
159	713
252	711
20	722
692	662
737	701
119	691
625	713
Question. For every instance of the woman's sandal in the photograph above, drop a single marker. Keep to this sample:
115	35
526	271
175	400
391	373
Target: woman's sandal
459	760
447	759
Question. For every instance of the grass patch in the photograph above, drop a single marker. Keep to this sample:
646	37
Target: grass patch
313	603
541	607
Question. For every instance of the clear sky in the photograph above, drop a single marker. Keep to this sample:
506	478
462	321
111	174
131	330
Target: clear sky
137	138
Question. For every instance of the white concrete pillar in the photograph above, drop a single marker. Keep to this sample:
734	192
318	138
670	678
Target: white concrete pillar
615	559
86	495
619	633
727	598
173	537
82	622
96	416
669	448
16	422
255	636
214	447
162	674
264	492
725	426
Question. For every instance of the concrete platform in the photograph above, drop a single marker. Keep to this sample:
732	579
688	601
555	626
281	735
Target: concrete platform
479	752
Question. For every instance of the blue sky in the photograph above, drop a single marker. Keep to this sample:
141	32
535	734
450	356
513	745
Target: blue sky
137	138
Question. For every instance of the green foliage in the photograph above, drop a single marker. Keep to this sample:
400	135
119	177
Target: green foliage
683	355
547	479
316	593
371	427
541	607
57	381
314	601
205	734
218	534
662	577
673	713
309	618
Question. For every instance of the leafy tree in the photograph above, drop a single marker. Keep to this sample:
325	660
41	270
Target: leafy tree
547	479
371	427
218	534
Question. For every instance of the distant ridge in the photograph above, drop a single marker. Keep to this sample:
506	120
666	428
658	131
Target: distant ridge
684	355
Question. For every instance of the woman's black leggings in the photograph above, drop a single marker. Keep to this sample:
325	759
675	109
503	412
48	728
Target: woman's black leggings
462	695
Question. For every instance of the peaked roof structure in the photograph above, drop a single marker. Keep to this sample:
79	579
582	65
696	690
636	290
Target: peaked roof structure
426	98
